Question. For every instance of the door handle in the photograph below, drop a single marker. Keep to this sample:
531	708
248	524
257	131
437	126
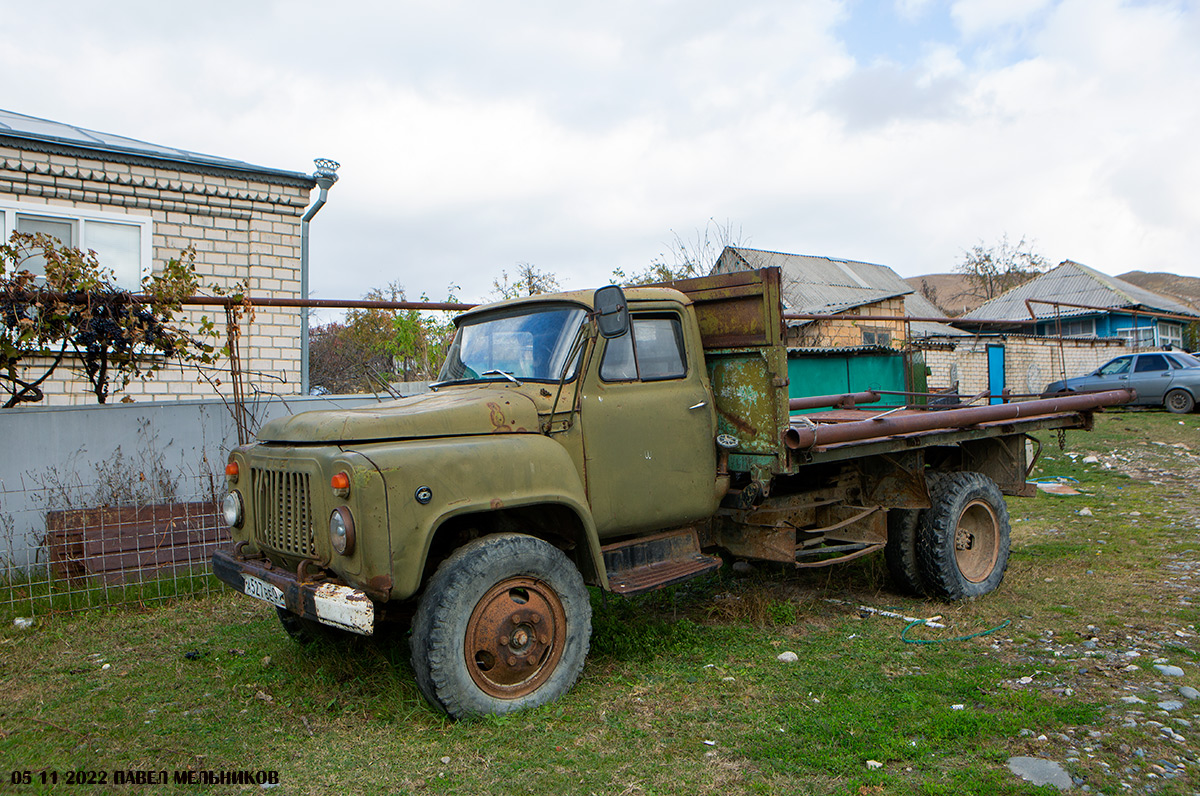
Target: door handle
700	405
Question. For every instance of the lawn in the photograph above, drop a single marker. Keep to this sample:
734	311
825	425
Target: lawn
683	692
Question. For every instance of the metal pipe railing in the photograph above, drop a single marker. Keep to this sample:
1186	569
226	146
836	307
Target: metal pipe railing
840	401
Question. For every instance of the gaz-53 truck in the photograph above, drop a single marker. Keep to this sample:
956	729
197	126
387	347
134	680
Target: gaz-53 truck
625	440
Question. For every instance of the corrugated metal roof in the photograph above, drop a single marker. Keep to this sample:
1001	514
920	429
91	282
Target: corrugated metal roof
1074	283
819	284
44	131
853	349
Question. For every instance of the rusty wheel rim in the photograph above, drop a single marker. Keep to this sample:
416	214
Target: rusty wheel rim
977	541
515	637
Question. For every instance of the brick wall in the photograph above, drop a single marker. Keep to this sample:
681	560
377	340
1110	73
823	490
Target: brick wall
1030	363
243	226
846	332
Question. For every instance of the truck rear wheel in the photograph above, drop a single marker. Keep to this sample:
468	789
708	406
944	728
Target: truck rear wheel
900	552
963	538
503	625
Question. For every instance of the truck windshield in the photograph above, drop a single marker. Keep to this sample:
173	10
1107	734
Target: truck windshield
528	344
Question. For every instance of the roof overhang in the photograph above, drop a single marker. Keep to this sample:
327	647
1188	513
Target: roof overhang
194	163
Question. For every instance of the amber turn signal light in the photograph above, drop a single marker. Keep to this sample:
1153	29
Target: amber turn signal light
231	471
341	484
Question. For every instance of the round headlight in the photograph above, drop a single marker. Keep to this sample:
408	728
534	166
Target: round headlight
231	507
341	531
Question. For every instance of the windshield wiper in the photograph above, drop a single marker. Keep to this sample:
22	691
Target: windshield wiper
505	374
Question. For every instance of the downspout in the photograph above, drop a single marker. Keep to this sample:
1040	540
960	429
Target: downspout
325	176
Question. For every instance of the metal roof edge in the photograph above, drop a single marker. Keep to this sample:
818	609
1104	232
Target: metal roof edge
851	349
198	164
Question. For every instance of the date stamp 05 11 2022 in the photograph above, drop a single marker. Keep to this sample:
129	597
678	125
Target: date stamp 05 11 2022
144	777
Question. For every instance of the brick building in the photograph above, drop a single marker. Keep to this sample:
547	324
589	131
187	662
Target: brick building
971	364
139	204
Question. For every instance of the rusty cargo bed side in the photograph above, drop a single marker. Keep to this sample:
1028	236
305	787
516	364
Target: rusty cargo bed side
740	316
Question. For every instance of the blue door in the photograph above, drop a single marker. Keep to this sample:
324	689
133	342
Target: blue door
995	373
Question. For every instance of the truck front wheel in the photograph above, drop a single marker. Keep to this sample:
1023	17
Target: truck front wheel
504	624
963	538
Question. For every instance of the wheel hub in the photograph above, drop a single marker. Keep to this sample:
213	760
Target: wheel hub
515	637
977	541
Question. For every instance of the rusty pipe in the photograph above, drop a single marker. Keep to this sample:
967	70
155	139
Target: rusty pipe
886	426
841	401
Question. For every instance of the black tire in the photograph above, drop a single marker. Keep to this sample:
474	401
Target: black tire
900	552
503	625
1179	401
963	538
306	631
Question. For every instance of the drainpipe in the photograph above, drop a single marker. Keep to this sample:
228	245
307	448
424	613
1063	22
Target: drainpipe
325	176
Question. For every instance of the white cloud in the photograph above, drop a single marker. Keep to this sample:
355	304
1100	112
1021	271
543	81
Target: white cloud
912	9
981	17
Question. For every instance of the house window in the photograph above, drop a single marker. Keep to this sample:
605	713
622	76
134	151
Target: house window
879	337
122	243
1139	337
1170	334
1080	327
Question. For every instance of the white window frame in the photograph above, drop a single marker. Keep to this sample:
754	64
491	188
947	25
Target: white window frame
1170	334
79	218
1145	337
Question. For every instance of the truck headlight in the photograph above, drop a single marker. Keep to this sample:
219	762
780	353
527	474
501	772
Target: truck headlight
341	531
231	507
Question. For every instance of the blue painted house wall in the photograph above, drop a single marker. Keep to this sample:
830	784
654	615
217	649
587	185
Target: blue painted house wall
1111	324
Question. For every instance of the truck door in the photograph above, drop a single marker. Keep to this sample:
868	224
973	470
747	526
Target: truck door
649	428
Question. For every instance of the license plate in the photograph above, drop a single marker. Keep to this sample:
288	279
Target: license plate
262	590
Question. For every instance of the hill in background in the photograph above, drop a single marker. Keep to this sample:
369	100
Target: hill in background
951	289
948	292
1185	289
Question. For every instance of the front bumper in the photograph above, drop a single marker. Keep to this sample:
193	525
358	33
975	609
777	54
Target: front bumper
328	603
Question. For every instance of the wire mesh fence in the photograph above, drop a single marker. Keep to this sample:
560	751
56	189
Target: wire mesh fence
67	545
118	504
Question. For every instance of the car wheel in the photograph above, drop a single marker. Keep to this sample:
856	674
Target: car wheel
963	538
503	625
1179	401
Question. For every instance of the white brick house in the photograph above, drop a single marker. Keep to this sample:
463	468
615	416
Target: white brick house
138	205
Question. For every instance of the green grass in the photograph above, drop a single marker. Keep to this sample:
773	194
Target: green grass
682	692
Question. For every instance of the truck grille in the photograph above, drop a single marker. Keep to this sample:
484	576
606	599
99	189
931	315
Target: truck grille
283	511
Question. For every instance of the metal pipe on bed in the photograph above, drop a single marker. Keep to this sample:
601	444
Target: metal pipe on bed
839	401
812	435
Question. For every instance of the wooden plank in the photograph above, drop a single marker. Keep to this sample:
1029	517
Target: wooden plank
129	543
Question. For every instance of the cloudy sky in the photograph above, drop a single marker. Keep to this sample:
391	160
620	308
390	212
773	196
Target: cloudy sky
581	136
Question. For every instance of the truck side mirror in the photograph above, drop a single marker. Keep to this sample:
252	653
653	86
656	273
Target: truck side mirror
612	312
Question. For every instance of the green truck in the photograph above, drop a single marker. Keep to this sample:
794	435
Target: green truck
625	440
